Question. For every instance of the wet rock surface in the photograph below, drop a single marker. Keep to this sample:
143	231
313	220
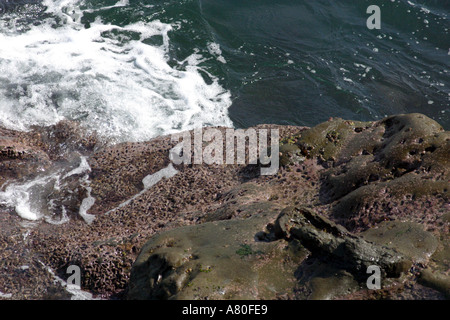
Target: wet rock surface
408	238
214	260
347	194
332	242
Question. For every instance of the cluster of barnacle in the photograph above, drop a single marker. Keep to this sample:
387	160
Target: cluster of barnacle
10	153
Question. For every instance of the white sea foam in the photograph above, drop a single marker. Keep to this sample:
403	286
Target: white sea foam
149	181
105	76
30	199
86	204
108	78
64	218
215	50
152	179
5	295
82	168
25	197
75	291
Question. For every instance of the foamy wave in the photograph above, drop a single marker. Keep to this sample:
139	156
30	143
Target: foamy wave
105	76
37	199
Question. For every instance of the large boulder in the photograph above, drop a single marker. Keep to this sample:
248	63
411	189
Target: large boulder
215	260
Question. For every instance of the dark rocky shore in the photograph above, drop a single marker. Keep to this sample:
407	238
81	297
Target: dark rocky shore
347	195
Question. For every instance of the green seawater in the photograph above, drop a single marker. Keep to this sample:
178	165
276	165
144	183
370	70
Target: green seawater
301	62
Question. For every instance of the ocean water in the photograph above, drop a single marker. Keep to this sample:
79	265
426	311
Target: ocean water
132	70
